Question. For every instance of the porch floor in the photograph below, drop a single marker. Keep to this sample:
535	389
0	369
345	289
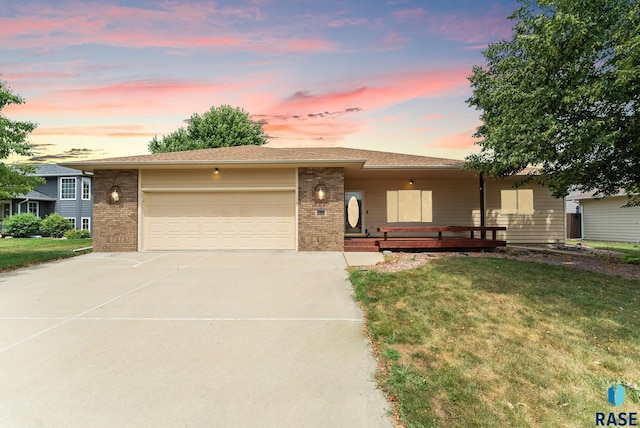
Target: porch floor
452	243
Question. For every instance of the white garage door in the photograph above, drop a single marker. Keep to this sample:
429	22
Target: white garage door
218	220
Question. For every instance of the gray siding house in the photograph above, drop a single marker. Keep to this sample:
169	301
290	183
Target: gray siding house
67	191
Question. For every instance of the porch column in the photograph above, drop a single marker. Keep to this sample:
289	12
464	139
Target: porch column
483	234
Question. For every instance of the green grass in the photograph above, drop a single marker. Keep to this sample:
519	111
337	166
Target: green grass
19	252
621	247
631	251
471	341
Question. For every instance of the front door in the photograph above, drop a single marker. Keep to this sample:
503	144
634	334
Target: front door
353	213
5	211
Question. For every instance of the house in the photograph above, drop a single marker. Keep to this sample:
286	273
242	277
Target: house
66	191
306	199
605	219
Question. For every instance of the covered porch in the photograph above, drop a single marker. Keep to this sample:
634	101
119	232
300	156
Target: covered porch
449	238
444	207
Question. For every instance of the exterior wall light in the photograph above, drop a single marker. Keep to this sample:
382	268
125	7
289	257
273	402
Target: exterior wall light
216	171
115	194
411	181
320	193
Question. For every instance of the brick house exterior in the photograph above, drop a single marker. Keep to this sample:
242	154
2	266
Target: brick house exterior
323	232
257	197
115	226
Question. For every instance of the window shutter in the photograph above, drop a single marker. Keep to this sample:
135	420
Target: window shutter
427	207
392	206
525	201
509	201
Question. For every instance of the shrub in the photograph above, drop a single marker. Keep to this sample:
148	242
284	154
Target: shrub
55	225
77	234
21	225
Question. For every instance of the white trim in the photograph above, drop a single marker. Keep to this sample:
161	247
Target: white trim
82	219
218	189
88	182
75	188
74	221
362	215
297	210
37	213
140	217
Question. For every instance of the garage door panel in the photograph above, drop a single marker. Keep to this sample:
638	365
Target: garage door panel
199	220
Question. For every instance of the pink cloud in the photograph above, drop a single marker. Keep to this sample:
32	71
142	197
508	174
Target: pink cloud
461	140
12	77
335	113
173	25
100	131
410	14
379	91
393	40
139	97
391	119
431	116
462	27
347	22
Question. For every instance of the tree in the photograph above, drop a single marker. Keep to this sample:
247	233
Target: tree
14	178
564	95
223	126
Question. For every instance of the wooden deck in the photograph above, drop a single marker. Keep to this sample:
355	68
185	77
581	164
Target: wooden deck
438	241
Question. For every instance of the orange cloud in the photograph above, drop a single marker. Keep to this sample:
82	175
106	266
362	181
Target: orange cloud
378	92
391	119
333	113
431	116
102	131
461	140
138	97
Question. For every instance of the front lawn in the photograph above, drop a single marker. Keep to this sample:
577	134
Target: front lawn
621	247
469	341
20	252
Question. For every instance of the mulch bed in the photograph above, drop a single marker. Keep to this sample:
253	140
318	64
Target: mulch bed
606	262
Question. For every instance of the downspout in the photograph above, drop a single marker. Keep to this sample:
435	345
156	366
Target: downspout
483	219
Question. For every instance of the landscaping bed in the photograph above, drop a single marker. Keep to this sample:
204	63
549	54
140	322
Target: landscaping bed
601	261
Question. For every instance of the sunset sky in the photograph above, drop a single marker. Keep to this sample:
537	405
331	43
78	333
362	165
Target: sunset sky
101	78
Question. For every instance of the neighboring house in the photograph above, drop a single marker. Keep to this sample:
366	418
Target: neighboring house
67	191
605	219
257	197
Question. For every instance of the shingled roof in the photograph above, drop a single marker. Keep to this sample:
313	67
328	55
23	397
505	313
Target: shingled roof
367	159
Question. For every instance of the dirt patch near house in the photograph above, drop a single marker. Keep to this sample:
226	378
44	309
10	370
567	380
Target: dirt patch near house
606	262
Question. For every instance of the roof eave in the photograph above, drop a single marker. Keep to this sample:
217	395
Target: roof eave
92	166
415	167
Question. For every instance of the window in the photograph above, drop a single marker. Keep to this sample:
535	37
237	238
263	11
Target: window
72	221
409	206
85	223
67	188
33	207
518	201
86	189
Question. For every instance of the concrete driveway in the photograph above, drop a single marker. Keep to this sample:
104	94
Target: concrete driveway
228	339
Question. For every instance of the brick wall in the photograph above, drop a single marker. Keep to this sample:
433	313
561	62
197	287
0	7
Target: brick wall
115	226
321	233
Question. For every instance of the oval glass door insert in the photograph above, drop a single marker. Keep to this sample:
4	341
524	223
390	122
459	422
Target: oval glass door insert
353	212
